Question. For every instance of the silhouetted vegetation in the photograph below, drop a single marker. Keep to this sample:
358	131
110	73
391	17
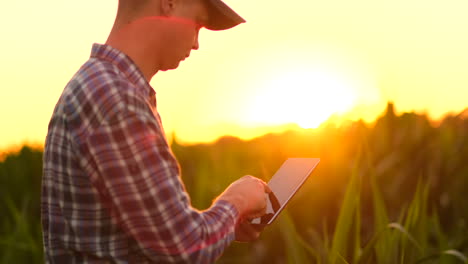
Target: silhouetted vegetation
388	192
20	188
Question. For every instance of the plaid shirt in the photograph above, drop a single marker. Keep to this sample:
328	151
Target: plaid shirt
111	190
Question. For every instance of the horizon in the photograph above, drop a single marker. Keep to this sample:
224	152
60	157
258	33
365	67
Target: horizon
246	134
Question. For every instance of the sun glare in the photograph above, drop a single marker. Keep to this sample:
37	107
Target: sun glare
307	97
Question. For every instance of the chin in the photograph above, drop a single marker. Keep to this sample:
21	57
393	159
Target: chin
171	67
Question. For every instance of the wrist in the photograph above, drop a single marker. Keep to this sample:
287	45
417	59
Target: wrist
236	200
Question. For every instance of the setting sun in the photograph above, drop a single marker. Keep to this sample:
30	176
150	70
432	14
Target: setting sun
315	62
306	96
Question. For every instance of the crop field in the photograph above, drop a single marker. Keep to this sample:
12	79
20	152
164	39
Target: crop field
391	191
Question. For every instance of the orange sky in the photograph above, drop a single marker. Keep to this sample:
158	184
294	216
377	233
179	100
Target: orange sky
292	62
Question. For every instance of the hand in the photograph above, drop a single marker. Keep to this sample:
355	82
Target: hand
246	232
247	194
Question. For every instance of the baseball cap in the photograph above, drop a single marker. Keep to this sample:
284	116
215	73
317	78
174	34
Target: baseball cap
221	16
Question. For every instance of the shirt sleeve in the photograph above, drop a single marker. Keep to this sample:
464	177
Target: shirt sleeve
138	179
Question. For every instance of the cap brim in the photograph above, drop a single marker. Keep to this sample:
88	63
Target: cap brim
221	16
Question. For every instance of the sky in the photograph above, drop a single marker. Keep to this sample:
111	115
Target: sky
292	63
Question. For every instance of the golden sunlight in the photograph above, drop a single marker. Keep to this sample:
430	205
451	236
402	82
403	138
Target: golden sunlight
306	96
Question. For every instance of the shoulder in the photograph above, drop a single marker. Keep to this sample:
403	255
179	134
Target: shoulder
99	92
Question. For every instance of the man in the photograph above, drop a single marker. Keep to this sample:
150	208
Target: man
112	192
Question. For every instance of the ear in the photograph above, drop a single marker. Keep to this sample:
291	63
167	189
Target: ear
167	7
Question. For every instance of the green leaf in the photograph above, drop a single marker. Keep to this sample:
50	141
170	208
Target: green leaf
450	252
344	227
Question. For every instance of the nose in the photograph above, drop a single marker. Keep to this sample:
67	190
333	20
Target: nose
195	45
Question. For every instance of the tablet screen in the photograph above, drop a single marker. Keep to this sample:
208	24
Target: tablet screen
285	183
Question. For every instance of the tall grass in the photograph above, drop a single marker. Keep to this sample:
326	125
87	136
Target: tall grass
20	229
415	238
389	192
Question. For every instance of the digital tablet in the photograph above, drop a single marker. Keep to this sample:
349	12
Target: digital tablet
284	184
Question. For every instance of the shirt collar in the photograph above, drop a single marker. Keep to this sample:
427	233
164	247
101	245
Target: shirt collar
125	64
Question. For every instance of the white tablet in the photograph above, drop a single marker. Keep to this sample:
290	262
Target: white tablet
284	184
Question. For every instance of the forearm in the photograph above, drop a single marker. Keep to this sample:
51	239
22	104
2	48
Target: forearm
198	237
219	231
237	201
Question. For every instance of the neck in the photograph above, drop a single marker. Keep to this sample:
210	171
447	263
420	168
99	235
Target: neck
135	40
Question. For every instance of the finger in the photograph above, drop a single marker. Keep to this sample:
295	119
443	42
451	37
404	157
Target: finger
258	227
256	214
241	235
245	234
249	231
265	186
259	211
262	211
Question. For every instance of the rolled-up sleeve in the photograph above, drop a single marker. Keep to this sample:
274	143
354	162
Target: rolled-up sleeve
138	180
